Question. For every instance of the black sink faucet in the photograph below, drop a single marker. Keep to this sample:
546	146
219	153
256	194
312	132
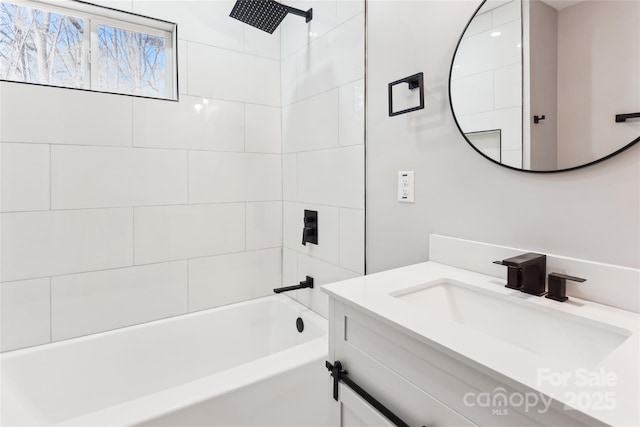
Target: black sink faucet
526	273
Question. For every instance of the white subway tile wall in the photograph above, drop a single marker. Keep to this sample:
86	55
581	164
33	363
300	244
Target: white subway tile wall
100	177
101	207
194	123
167	233
290	177
50	243
118	210
348	9
322	84
51	115
183	54
25	313
263	131
332	60
25	177
85	303
351	122
226	74
224	279
264	225
259	43
352	239
297	34
237	177
328	246
342	187
311	124
323	272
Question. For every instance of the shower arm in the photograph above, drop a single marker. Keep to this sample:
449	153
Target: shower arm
308	15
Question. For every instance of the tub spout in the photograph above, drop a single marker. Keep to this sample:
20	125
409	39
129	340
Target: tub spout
308	283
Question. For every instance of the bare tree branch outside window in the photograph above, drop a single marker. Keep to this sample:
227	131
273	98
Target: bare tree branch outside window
131	62
39	46
47	47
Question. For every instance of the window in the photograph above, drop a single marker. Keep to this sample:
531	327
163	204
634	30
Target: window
77	45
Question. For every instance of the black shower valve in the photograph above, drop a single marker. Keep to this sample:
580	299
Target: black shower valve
310	229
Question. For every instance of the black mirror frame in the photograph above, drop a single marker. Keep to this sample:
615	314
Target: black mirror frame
601	159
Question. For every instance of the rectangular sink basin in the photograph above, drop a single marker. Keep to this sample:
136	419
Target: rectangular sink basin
549	333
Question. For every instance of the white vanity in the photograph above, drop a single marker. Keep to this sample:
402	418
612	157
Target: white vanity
440	345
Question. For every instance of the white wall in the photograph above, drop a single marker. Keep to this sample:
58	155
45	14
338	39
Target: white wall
599	77
541	24
323	144
119	210
590	213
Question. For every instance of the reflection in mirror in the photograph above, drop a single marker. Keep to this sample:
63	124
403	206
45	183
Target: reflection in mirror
537	84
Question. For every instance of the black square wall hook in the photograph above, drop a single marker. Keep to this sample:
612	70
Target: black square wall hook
415	81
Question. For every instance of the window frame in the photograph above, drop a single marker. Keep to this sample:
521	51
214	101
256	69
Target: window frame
94	16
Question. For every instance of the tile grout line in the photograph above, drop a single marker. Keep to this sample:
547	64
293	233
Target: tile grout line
297	179
141	265
282	177
325	261
324	92
188	180
335	147
226	49
234	101
186	63
133	123
50	179
133	235
50	309
309	44
245	226
339	235
168	316
188	290
198	150
128	147
327	205
339	119
147	206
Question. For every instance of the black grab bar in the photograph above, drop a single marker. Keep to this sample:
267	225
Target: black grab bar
623	117
340	374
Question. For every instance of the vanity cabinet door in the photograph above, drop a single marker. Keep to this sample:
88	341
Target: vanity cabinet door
356	412
411	404
422	385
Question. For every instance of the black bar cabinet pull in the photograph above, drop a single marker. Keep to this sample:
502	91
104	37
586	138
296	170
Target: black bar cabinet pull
623	117
340	374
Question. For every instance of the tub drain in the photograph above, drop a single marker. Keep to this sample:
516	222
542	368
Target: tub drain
299	324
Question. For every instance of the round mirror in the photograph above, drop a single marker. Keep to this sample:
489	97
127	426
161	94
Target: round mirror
549	85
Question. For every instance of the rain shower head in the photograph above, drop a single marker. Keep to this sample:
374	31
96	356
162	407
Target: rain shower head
265	15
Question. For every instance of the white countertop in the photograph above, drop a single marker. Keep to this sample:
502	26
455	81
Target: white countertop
371	294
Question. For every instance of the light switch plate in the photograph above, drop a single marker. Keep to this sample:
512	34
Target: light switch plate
405	186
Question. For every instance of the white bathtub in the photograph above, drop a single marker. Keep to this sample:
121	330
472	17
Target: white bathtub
243	364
